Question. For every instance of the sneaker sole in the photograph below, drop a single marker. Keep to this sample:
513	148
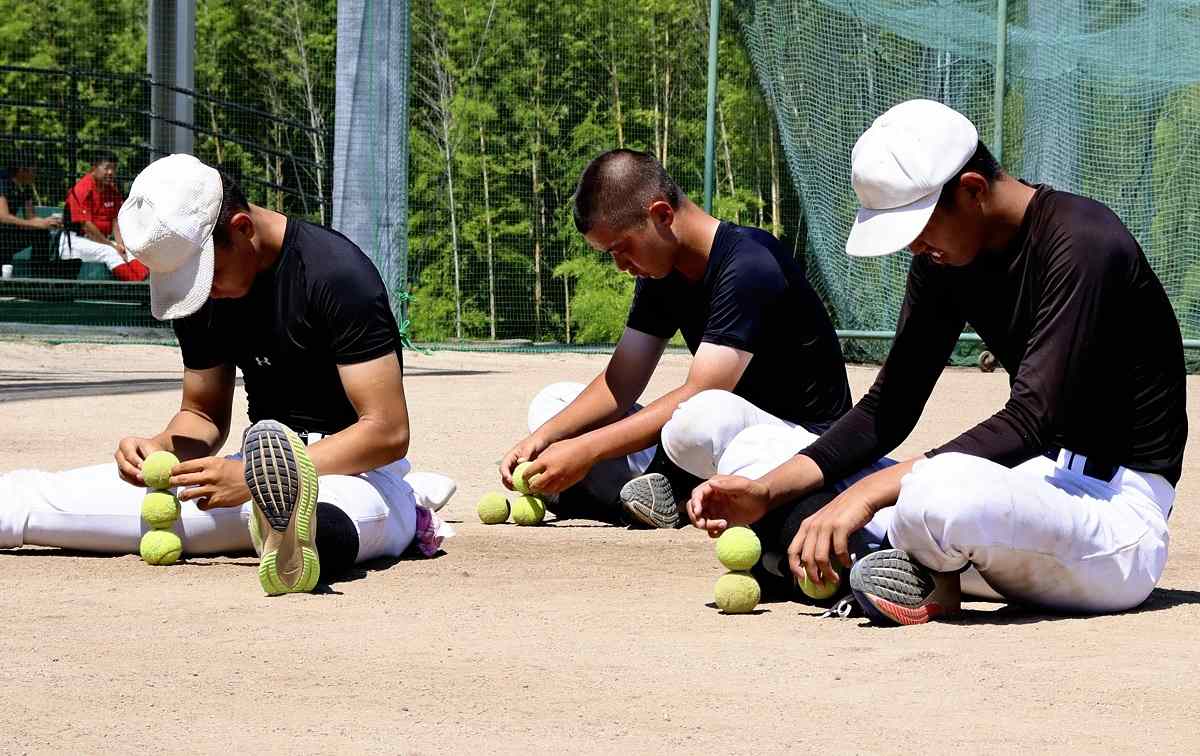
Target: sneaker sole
283	488
649	500
894	589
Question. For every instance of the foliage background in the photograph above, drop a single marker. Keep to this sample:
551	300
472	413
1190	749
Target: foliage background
511	98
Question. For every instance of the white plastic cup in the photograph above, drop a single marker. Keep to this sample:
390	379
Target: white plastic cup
6	271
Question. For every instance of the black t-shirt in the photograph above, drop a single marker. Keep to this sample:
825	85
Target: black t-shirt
1074	313
321	305
754	297
16	195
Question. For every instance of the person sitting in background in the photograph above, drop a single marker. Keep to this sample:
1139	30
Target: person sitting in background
92	206
17	195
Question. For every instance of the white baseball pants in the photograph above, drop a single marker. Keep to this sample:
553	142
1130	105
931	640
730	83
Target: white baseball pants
83	248
92	509
720	433
1040	533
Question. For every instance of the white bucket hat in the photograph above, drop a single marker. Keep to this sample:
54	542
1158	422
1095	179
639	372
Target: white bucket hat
167	223
898	168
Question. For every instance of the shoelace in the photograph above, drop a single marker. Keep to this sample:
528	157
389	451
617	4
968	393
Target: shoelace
845	608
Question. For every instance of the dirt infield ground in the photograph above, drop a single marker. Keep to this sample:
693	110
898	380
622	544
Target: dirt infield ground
567	638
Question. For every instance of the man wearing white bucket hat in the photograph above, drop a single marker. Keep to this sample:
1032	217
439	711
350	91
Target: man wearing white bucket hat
1061	498
305	316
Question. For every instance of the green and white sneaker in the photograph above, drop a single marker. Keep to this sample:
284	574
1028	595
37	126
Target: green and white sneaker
283	522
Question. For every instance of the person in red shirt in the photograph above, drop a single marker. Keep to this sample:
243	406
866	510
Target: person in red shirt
92	205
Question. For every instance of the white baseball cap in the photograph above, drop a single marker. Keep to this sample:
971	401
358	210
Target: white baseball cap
167	222
898	168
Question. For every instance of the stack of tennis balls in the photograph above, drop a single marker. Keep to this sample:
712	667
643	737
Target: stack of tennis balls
160	510
737	592
526	509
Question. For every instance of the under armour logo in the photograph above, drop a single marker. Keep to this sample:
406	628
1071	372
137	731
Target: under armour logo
262	361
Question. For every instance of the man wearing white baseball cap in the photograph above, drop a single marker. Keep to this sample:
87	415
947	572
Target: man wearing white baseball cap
304	315
1061	498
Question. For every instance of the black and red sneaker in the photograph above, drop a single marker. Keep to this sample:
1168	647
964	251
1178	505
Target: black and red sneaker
894	589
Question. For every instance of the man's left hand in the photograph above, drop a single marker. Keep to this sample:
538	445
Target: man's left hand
212	481
822	543
561	465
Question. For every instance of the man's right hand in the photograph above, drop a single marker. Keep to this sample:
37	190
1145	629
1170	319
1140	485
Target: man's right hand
526	450
727	500
130	455
47	223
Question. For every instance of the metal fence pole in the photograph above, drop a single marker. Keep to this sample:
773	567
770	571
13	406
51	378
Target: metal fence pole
1001	65
72	128
184	40
710	142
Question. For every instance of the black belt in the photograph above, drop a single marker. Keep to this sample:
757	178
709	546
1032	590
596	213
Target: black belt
1092	468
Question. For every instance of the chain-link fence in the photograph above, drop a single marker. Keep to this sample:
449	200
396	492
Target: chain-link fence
467	208
510	100
1098	97
92	92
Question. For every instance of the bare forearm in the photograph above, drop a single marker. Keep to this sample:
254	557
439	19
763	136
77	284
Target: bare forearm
9	219
882	487
364	446
190	435
641	429
793	479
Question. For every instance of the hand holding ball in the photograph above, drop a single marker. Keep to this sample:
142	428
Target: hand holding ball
519	481
817	591
156	469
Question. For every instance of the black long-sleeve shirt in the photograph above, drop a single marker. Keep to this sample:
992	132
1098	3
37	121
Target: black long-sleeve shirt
1074	313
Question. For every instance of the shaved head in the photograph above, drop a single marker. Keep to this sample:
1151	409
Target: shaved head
617	189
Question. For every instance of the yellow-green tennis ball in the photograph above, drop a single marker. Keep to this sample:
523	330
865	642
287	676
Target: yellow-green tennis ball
739	549
817	591
528	510
493	508
161	547
519	482
156	469
737	593
160	509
